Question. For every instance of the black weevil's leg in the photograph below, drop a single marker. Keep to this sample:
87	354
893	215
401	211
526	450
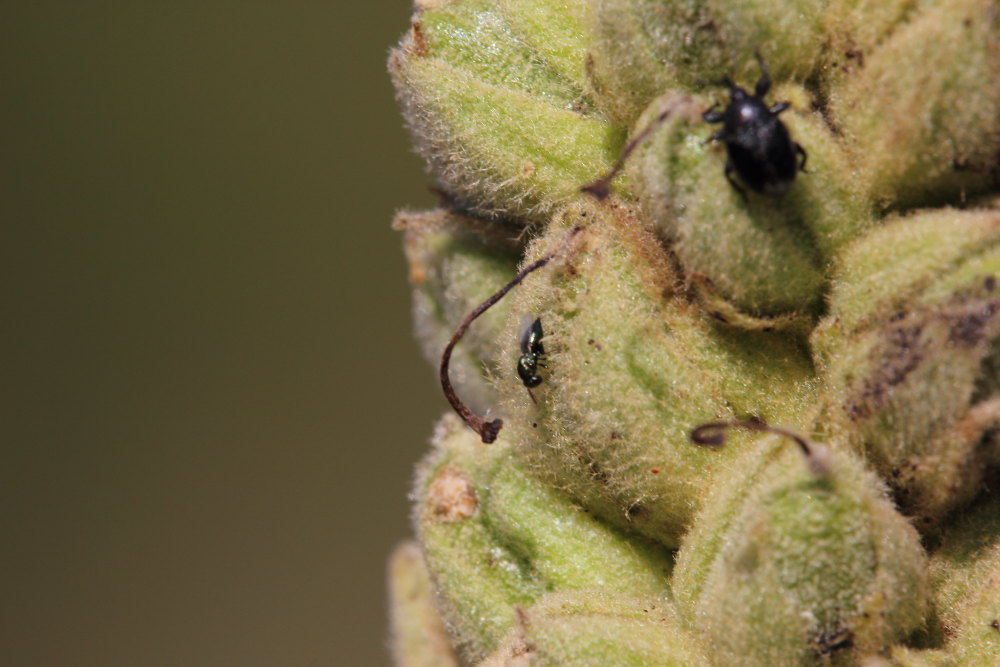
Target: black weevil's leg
713	116
718	135
801	151
736	186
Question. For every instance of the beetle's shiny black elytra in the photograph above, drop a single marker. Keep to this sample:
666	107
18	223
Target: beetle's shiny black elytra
531	354
758	146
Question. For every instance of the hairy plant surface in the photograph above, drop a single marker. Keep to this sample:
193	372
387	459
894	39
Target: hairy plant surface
751	424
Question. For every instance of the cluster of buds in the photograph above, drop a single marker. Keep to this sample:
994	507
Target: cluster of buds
724	396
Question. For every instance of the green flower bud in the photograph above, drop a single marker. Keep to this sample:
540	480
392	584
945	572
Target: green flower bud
418	635
631	367
901	656
595	628
496	539
455	262
755	252
965	573
905	353
508	134
795	560
702	41
923	114
828	200
625	71
855	28
555	30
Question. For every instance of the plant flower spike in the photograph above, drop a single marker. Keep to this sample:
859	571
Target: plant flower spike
719	282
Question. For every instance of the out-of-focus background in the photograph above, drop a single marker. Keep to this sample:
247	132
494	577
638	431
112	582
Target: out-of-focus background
212	401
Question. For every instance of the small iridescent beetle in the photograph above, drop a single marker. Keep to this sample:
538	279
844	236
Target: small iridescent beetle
531	355
758	146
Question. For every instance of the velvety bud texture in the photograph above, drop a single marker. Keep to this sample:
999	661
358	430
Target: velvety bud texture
714	290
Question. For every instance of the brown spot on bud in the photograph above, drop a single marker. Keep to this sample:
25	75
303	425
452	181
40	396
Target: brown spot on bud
599	189
898	357
450	496
826	643
597	473
969	327
418	45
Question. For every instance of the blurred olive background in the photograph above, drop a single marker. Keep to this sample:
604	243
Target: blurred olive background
212	399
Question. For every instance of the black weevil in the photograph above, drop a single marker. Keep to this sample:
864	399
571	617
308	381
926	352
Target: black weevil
531	354
758	146
757	142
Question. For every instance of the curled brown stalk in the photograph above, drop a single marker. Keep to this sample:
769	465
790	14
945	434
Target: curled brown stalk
488	430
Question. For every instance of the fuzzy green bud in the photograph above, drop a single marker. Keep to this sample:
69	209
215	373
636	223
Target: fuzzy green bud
596	628
701	41
631	367
965	572
755	253
625	71
923	114
904	352
555	30
418	636
795	559
456	262
855	28
497	538
498	114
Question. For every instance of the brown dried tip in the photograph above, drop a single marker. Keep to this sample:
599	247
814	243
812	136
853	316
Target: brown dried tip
710	435
713	435
601	188
488	431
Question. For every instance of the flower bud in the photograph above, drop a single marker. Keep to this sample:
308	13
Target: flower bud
631	367
965	573
625	71
923	114
597	627
418	635
506	133
497	538
556	30
792	561
755	251
706	40
905	353
456	262
855	28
